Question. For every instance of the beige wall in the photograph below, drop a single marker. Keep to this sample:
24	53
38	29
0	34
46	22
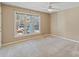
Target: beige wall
8	23
0	24
66	23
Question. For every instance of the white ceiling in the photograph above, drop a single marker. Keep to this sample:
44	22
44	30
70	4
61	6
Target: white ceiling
43	6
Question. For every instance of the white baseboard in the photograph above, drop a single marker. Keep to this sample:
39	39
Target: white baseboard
41	37
66	38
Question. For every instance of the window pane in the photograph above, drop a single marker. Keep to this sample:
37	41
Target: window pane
19	25
36	23
27	24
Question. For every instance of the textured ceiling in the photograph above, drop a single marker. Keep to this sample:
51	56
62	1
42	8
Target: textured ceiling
43	6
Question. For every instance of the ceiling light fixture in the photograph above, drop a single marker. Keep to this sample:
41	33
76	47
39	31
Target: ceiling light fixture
52	9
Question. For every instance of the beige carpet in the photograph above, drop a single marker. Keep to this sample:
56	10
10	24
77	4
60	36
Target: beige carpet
46	47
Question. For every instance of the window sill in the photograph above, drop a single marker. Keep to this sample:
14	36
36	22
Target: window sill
21	36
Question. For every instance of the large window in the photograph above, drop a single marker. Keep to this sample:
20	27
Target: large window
26	24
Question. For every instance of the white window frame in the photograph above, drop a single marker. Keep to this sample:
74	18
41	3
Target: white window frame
15	33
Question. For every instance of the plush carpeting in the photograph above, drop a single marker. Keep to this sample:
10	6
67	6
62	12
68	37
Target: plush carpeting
46	47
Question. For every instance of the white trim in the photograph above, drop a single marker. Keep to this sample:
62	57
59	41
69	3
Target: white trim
28	13
27	35
66	38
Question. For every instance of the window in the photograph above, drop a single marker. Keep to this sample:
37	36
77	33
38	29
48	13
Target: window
26	24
